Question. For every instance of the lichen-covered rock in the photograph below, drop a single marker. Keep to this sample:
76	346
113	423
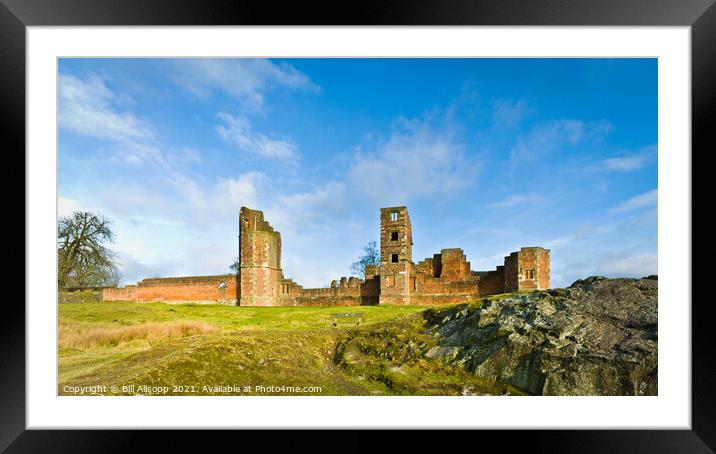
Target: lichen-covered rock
596	337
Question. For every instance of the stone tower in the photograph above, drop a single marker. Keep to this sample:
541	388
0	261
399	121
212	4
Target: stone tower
259	260
396	255
527	269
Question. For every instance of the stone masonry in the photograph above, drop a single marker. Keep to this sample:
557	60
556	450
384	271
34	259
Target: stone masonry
444	278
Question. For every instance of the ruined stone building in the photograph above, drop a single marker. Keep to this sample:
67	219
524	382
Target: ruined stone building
444	278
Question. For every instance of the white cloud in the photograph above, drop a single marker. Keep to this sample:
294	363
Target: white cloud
246	80
140	220
309	214
67	206
88	107
174	222
556	243
647	199
515	200
630	162
133	270
239	132
308	275
133	199
233	193
416	161
136	152
638	265
552	135
175	197
625	164
509	113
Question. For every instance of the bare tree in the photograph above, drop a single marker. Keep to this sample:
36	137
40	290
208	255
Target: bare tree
371	256
83	254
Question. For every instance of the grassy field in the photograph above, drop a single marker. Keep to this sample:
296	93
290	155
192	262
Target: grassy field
187	349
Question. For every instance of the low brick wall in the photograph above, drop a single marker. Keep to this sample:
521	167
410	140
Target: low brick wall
363	295
126	293
198	289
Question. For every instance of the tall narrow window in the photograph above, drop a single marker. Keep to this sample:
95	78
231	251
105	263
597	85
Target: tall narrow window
394	258
393	215
394	236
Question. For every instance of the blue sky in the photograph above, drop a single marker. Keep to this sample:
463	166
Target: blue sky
488	155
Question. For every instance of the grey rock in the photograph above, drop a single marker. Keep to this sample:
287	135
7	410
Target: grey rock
596	337
445	354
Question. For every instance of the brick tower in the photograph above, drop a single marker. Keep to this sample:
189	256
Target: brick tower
527	269
259	260
396	255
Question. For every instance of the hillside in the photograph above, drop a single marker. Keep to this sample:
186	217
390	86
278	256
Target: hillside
597	337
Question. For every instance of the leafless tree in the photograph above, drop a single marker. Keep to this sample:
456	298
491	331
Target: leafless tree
371	256
83	254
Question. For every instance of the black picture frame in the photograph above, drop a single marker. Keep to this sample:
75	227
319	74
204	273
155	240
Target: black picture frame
700	15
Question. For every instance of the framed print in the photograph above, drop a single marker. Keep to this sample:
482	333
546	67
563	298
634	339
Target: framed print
358	224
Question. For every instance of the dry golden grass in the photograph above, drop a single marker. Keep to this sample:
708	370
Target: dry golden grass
73	336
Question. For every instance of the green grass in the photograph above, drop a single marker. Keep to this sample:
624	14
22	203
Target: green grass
291	346
228	318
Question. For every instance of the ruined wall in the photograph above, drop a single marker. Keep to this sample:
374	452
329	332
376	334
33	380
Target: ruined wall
429	266
527	269
346	292
396	237
431	290
448	293
259	260
512	272
453	264
396	255
492	282
395	283
370	291
126	293
337	296
444	278
533	268
200	289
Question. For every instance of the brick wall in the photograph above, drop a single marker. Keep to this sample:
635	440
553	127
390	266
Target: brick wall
430	290
395	282
512	272
201	289
454	264
492	282
533	268
337	296
126	293
346	292
259	260
444	278
396	235
527	269
427	266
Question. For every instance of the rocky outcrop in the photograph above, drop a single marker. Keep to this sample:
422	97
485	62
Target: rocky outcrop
596	337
